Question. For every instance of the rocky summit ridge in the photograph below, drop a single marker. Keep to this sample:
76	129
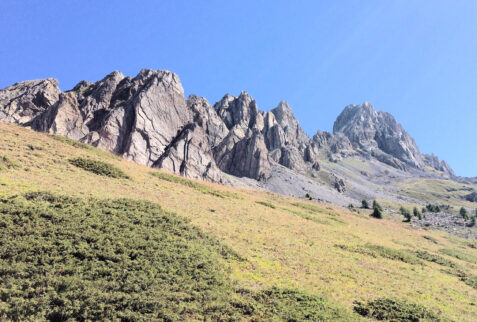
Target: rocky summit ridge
148	120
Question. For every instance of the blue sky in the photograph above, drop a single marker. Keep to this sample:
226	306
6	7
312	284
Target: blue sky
414	59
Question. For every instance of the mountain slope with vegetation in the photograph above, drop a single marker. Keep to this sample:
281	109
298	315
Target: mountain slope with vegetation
80	243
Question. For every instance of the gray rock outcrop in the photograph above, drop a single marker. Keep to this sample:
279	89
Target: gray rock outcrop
148	120
379	135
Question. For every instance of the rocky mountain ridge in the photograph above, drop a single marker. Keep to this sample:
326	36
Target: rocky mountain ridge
148	120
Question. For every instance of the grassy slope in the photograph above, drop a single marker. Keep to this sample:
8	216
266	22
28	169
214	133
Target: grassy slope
285	242
438	191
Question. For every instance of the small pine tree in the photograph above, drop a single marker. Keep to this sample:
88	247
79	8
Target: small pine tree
472	222
463	212
377	210
365	204
417	213
377	205
377	213
406	214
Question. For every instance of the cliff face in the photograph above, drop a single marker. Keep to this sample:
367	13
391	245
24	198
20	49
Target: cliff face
378	134
148	120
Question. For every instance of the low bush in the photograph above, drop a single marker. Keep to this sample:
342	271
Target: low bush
406	214
459	255
308	216
422	254
382	251
65	258
377	210
266	204
432	239
433	208
395	310
296	306
98	167
471	281
417	213
194	185
7	163
472	222
81	145
74	143
364	204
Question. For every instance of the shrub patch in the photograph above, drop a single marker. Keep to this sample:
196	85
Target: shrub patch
395	310
98	167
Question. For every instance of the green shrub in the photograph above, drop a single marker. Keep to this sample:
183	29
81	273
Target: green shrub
81	145
98	167
406	214
471	281
65	258
417	213
472	222
7	163
377	210
459	255
194	185
394	310
364	204
266	204
432	239
377	213
463	212
422	254
376	205
308	216
381	251
74	143
296	306
433	208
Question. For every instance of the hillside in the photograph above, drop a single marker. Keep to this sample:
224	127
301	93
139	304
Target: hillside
81	239
148	120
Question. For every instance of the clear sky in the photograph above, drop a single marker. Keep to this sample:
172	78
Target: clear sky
414	59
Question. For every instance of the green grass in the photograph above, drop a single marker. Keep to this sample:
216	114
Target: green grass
86	259
395	310
422	254
307	216
432	239
99	167
7	163
84	146
297	306
266	204
314	209
74	143
459	255
382	251
194	185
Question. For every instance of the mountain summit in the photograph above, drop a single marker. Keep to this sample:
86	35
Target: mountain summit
148	120
378	134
